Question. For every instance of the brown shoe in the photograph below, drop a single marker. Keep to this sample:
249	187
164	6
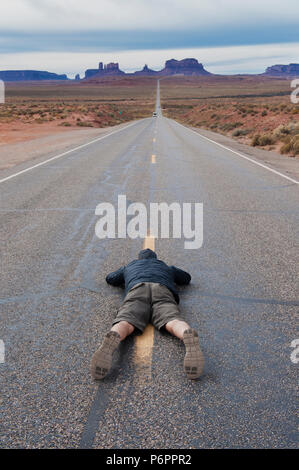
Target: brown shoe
194	360
102	359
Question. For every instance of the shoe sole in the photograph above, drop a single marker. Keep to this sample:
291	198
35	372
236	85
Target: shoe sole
194	360
102	359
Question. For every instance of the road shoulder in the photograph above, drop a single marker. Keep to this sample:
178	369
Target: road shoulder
13	156
286	165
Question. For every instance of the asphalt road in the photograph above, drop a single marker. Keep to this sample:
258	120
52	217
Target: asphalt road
56	306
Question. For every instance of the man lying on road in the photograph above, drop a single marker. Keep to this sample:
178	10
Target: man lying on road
151	297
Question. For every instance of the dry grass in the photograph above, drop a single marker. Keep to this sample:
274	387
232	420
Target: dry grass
250	109
85	104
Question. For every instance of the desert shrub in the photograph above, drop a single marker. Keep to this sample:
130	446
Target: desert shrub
255	141
294	127
262	140
286	130
291	146
266	139
281	130
84	124
229	126
66	124
29	112
295	145
286	148
239	132
264	113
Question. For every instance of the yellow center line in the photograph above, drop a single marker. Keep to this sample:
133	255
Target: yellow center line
145	342
153	158
149	242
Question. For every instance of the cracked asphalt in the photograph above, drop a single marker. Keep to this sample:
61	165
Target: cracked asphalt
56	307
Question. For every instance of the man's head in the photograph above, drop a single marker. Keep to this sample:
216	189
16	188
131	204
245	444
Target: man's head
146	254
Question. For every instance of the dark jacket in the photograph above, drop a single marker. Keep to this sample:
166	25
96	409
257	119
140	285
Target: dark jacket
147	268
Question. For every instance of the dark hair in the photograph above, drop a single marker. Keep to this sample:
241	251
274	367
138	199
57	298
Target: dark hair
146	254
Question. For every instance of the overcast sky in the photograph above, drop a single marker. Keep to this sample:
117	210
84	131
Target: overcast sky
68	36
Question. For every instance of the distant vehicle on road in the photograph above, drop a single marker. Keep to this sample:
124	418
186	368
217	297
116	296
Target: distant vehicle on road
154	114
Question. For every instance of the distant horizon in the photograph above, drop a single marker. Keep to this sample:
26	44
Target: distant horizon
220	61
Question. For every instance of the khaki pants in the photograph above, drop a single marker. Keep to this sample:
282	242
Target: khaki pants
148	302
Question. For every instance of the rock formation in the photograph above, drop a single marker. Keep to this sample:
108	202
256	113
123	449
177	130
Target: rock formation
145	72
104	70
21	75
172	67
184	67
291	70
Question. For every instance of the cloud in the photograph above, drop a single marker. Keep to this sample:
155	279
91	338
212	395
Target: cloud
123	40
233	59
71	35
143	15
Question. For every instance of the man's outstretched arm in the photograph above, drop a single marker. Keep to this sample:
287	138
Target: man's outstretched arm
181	277
116	278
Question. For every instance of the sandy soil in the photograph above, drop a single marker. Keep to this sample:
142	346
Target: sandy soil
41	110
14	132
255	110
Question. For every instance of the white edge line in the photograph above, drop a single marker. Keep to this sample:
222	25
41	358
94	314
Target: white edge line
239	154
67	152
